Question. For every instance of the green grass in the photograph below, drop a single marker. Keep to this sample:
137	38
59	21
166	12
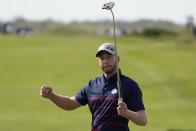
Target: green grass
164	68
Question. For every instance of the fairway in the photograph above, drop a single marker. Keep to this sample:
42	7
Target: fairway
165	68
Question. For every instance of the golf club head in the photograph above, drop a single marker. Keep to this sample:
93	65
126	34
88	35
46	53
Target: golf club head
108	5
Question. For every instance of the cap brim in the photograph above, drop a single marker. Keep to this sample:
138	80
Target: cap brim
101	51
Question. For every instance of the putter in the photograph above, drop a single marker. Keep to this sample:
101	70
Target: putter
109	6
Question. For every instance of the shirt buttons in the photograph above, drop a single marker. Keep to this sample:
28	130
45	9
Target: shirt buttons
107	83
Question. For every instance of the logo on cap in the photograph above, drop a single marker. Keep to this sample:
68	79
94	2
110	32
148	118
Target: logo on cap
110	48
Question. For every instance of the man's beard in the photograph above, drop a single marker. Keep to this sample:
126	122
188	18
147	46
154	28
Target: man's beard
109	69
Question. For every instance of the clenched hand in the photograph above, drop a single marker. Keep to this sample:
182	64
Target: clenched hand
46	91
122	109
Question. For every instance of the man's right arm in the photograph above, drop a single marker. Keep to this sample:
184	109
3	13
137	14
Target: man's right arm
64	102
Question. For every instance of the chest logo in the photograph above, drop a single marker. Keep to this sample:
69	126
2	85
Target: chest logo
114	91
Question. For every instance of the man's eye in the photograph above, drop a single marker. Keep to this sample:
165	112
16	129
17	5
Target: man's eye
109	57
101	58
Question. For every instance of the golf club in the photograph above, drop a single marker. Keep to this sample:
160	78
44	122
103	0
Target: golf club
109	6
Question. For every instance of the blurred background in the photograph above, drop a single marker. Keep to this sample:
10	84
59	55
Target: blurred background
54	43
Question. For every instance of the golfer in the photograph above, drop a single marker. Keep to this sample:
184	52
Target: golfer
101	95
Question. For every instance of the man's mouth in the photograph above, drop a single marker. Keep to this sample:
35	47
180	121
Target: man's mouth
107	67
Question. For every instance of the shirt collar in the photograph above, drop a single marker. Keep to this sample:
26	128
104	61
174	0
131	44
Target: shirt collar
112	78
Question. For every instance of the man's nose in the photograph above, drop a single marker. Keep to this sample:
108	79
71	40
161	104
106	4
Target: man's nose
104	61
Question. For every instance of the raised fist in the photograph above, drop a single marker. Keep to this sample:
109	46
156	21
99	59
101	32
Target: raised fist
46	91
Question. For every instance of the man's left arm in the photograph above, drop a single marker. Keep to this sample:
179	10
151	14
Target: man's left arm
138	117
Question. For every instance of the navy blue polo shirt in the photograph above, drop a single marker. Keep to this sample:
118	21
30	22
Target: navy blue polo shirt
102	98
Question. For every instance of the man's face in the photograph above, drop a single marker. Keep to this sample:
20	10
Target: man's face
107	62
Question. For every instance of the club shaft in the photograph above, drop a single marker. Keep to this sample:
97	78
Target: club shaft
117	68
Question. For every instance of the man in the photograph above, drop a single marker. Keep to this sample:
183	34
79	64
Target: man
102	98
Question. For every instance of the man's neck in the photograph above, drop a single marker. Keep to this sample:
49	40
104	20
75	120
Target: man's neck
108	76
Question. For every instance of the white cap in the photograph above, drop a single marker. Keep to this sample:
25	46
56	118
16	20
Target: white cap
108	47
